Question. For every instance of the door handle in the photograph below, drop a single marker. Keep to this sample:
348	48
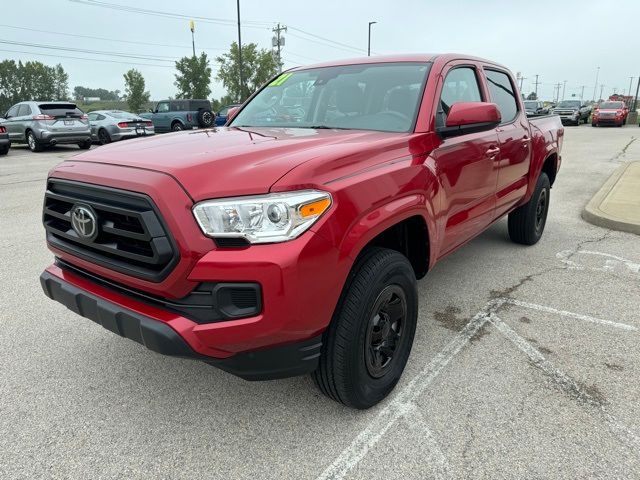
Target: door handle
492	152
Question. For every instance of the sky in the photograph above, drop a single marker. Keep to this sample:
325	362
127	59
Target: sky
559	40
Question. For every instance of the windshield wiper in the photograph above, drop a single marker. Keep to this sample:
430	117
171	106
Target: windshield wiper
325	127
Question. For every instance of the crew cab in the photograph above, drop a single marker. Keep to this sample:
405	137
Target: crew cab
181	114
290	240
609	113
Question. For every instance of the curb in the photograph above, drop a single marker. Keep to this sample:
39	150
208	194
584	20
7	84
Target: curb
594	213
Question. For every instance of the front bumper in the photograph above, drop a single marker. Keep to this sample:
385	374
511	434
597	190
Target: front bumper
266	364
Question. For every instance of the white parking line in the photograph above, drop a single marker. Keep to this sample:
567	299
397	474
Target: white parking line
402	403
610	261
568	385
403	406
564	313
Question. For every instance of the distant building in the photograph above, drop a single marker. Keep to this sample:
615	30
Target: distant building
91	99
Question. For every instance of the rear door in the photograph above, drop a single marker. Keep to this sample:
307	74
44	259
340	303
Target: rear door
65	118
466	164
514	138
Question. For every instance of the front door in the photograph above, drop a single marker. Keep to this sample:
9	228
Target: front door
161	119
466	164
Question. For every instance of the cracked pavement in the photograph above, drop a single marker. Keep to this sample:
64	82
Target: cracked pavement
518	392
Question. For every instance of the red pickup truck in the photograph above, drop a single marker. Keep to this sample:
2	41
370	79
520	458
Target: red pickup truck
290	240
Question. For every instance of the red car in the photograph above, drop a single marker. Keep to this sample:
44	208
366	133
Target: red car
290	241
609	113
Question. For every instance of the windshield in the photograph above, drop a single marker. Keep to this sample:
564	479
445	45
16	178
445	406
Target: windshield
611	105
569	104
531	105
380	96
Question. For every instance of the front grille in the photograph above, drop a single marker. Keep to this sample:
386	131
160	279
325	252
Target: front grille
131	235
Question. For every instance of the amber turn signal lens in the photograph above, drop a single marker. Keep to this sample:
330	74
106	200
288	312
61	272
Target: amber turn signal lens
315	208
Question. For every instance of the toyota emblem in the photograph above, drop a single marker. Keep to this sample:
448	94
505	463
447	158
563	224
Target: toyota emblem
84	222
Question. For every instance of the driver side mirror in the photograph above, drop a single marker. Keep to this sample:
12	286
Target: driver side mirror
232	113
470	117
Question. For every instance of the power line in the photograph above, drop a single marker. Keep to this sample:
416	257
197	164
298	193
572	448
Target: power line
106	38
159	13
102	60
328	40
157	58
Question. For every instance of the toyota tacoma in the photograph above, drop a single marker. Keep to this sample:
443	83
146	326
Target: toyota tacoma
290	240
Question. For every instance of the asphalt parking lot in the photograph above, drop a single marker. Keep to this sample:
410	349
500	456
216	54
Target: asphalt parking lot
525	365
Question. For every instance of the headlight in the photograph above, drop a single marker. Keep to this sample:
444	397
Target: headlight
276	217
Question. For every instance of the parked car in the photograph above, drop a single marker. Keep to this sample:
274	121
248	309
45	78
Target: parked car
112	125
572	111
221	117
286	244
535	107
609	113
39	124
5	143
184	114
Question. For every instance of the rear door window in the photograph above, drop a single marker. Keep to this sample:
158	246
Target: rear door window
502	94
24	110
58	110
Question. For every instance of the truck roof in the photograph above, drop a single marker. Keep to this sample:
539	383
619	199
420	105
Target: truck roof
408	57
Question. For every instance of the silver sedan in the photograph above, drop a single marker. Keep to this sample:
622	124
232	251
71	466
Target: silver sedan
112	125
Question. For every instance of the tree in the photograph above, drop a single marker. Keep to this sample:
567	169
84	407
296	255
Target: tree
532	96
193	77
80	93
31	81
258	66
134	92
217	104
60	84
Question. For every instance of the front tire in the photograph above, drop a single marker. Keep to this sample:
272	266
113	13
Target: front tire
368	342
527	222
177	127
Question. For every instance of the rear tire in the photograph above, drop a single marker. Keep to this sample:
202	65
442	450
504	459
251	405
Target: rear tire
368	342
86	145
103	137
527	222
4	150
205	118
33	143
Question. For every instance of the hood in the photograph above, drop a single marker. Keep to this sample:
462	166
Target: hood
222	162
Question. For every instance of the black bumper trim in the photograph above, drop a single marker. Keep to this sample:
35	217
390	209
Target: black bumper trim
267	364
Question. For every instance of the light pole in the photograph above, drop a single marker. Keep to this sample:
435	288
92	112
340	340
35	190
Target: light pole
595	87
369	42
630	82
192	27
240	55
564	86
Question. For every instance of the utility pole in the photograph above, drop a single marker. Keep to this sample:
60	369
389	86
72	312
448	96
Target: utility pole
369	41
557	88
635	99
520	79
601	88
192	27
582	93
240	55
596	85
278	42
630	82
536	84
564	88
